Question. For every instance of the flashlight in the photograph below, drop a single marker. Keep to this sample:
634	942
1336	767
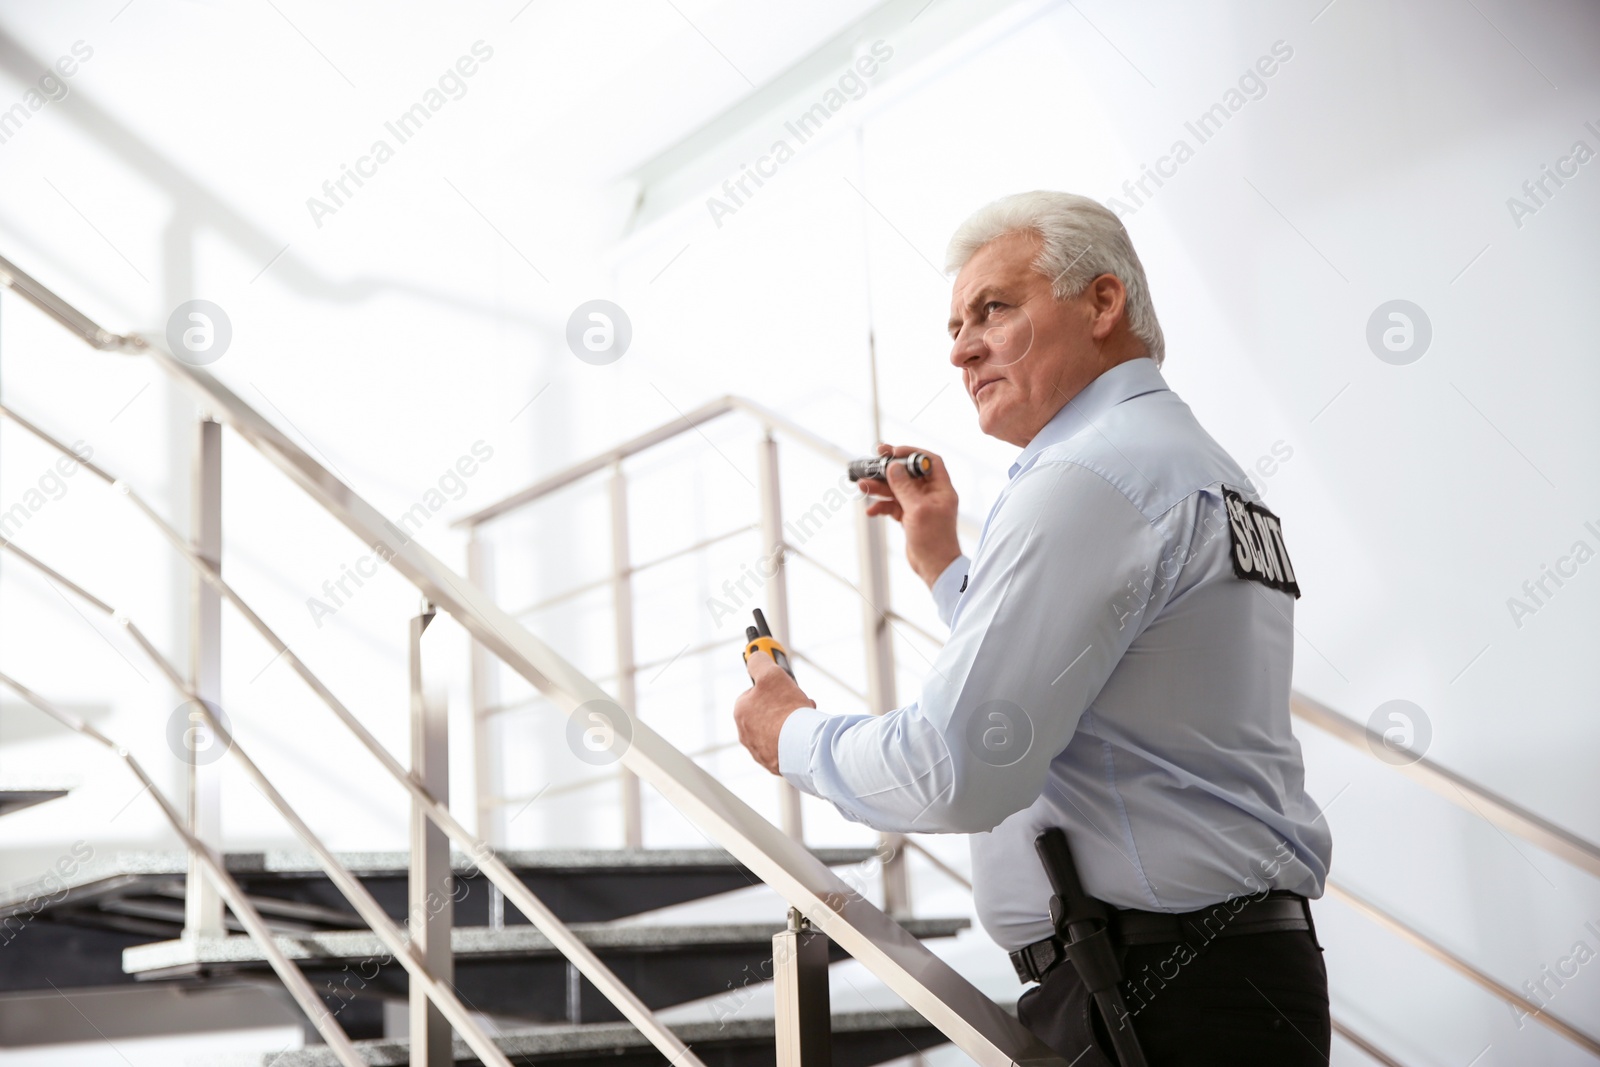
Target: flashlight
918	465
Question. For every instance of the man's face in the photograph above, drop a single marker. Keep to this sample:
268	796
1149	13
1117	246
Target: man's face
1022	353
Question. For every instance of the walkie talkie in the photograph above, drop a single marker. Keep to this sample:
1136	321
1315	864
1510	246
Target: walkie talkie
758	638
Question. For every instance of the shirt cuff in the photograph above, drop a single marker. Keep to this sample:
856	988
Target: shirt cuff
794	746
948	587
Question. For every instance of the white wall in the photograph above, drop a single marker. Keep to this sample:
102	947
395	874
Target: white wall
424	314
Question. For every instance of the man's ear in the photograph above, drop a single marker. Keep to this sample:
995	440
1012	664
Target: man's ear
1109	303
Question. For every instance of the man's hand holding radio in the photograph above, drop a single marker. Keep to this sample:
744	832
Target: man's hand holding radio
761	710
925	507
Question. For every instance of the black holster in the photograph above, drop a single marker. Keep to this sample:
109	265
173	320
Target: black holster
1083	927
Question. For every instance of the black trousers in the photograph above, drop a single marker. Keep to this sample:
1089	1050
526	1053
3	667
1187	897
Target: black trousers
1237	1001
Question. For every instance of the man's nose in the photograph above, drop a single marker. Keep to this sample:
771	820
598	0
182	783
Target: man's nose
969	347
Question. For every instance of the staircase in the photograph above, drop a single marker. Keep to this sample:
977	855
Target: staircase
120	921
514	956
558	955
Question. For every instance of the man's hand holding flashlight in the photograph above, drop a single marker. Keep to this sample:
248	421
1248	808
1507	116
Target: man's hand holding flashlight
925	507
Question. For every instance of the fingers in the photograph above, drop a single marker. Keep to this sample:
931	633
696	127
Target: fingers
886	507
902	451
875	487
759	663
902	480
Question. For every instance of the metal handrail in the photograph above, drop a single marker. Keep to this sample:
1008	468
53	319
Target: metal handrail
519	894
1462	967
1372	1051
528	703
14	277
602	461
926	982
811	661
288	972
691	420
1456	788
601	583
579	784
365	905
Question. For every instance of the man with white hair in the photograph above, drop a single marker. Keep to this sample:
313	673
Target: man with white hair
1118	667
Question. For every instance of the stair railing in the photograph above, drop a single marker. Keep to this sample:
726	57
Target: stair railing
426	985
403	949
776	548
929	985
292	977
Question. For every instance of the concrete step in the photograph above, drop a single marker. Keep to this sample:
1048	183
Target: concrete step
73	931
15	799
860	1039
513	972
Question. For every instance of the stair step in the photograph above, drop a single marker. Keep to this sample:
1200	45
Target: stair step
75	935
478	942
579	885
16	799
860	1038
513	972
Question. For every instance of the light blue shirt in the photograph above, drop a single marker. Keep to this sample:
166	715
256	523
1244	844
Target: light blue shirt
1108	672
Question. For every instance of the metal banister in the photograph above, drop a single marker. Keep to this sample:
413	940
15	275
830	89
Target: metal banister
14	277
365	905
926	982
1456	788
290	974
1480	978
692	420
536	911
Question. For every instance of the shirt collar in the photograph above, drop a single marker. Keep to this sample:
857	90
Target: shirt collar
1122	382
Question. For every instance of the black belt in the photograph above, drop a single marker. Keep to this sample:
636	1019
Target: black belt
1278	910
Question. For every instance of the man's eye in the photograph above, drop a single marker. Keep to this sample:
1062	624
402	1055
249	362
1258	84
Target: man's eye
992	304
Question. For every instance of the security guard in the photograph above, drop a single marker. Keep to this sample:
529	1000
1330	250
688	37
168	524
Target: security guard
1118	667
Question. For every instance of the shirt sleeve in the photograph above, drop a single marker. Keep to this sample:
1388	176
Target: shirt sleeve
948	587
1037	635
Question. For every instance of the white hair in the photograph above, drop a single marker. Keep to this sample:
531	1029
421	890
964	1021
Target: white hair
1082	240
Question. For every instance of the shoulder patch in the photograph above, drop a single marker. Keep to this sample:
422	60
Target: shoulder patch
1259	554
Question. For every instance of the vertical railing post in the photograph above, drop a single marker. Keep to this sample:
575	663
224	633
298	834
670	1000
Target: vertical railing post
802	1018
776	610
622	610
873	550
484	675
202	912
430	900
485	684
